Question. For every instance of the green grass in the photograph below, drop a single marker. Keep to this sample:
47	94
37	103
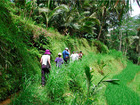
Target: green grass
67	85
121	94
22	45
15	59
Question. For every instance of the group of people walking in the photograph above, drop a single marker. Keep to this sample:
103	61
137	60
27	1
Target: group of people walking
46	65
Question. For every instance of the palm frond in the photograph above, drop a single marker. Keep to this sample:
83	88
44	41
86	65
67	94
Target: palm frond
47	10
76	26
138	2
92	19
88	73
59	10
113	81
101	80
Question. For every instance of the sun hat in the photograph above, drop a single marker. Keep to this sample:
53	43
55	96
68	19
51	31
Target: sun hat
59	53
47	52
66	48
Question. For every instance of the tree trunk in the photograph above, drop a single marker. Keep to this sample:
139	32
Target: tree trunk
31	12
103	21
46	23
38	2
126	43
120	46
139	48
100	32
46	19
126	51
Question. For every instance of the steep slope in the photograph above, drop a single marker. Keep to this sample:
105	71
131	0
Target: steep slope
16	62
23	43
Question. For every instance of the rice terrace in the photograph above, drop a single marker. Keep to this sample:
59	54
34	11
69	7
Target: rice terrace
69	52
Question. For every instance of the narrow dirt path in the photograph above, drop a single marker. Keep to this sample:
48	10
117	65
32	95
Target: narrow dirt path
8	100
5	102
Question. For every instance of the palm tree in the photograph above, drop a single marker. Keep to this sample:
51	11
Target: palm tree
49	14
106	8
139	46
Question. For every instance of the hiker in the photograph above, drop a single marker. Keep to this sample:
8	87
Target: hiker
59	61
74	56
46	65
66	54
80	55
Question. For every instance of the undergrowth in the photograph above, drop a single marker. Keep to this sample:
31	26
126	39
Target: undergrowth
15	60
67	85
23	43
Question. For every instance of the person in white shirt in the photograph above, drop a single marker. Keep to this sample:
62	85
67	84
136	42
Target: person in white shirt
46	65
74	56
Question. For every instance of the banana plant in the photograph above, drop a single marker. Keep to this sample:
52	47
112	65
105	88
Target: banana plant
49	14
88	77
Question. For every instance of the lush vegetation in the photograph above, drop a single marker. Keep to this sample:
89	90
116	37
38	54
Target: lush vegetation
16	63
28	27
22	45
91	19
70	85
128	34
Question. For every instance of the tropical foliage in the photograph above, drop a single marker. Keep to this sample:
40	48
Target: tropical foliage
126	38
90	19
28	27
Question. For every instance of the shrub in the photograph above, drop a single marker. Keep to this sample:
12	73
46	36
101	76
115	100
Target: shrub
101	47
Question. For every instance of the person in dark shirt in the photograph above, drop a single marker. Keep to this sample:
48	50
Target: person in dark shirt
80	55
66	54
59	61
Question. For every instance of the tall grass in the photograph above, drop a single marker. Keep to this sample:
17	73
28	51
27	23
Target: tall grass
68	85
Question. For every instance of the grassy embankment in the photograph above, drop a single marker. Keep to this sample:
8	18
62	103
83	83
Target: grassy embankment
68	85
15	60
23	43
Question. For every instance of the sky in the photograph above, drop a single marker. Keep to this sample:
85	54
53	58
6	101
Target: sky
136	8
